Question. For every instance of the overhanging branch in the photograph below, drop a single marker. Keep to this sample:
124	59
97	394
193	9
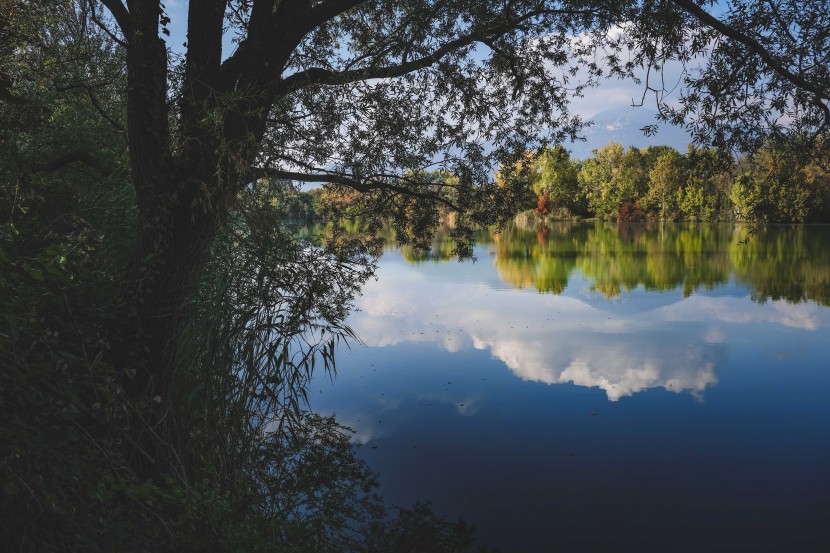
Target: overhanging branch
69	158
820	95
121	15
322	76
365	185
328	10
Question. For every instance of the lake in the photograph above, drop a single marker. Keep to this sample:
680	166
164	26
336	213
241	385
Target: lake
592	386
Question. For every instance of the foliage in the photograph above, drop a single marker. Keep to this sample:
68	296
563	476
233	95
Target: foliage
611	177
750	71
705	194
631	213
556	179
774	185
521	175
269	308
777	186
543	205
665	183
746	196
693	205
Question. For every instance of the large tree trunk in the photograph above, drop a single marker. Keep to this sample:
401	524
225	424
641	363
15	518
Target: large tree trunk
172	245
183	192
180	207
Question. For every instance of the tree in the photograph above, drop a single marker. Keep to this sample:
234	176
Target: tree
748	198
365	95
596	183
778	186
611	178
557	179
705	196
665	181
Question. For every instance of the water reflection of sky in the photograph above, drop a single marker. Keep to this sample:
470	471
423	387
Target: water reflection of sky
534	414
558	339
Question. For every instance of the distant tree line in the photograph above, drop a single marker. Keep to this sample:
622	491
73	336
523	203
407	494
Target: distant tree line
776	185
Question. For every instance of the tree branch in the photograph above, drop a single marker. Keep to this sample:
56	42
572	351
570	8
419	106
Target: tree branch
68	158
95	103
260	33
103	26
262	30
121	15
819	93
328	10
366	185
204	37
202	62
321	76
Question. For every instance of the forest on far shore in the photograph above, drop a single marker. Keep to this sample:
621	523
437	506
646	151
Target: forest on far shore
660	183
657	183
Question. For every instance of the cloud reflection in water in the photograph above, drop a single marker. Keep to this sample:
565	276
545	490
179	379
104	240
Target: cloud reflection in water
547	338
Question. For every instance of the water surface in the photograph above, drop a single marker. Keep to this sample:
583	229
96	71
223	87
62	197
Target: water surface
585	386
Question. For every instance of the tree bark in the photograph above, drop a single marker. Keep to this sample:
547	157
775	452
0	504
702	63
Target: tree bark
181	204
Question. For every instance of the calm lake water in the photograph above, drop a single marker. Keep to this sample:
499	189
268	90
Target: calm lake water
594	387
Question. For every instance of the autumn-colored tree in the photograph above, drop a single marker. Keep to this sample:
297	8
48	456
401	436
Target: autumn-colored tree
611	177
556	180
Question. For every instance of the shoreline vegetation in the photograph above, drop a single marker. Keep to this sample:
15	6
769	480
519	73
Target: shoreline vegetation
661	184
657	183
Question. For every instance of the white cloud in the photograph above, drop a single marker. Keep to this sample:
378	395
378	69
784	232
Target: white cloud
363	425
715	335
805	316
542	338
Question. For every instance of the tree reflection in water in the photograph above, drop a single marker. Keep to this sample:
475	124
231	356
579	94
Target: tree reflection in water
786	262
